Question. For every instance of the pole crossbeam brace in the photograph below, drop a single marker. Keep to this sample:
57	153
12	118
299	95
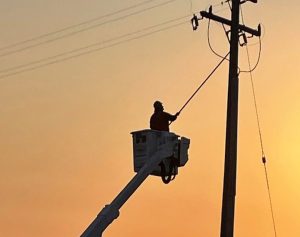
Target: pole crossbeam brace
225	21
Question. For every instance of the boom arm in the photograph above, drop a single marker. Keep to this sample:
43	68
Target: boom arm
111	211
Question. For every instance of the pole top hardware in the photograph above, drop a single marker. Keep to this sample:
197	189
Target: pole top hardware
195	22
210	15
242	39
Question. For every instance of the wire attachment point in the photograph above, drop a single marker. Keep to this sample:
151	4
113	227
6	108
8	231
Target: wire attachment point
243	39
195	22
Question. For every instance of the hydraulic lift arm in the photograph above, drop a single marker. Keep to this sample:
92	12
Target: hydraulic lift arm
111	211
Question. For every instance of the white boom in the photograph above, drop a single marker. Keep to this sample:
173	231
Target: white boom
150	149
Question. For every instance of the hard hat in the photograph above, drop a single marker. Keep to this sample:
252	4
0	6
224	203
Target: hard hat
157	104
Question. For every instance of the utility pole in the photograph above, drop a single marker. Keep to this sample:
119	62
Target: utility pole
230	167
229	182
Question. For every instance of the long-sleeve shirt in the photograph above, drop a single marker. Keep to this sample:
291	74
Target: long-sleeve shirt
160	121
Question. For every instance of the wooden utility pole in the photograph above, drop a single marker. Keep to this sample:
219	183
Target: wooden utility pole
230	167
229	183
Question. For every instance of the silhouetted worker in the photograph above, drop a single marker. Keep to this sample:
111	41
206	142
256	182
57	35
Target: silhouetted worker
160	119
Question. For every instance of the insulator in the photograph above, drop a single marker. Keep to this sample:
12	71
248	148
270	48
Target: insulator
195	22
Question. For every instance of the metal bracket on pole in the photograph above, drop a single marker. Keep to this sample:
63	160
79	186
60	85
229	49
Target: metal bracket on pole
195	22
244	40
225	21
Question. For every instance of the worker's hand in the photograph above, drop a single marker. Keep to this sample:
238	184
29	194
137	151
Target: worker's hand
177	114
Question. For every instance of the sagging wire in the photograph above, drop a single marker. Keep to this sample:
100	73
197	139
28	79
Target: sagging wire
226	33
257	61
211	48
259	52
209	43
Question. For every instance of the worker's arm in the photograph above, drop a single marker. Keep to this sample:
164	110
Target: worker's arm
172	117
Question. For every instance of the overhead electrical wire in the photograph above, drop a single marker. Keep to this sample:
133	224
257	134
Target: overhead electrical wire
82	30
255	105
264	160
208	30
257	61
95	44
251	69
56	58
259	51
76	25
219	55
209	43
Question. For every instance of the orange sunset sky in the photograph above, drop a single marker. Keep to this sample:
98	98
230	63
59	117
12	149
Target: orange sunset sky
66	147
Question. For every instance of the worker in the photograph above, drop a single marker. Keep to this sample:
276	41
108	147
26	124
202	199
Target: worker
160	119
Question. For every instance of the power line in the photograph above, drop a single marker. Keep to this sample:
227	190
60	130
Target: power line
262	148
87	52
220	56
253	90
258	58
208	30
84	29
255	105
93	45
76	25
259	51
270	198
209	43
264	160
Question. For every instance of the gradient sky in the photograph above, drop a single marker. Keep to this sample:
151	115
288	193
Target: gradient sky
65	129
